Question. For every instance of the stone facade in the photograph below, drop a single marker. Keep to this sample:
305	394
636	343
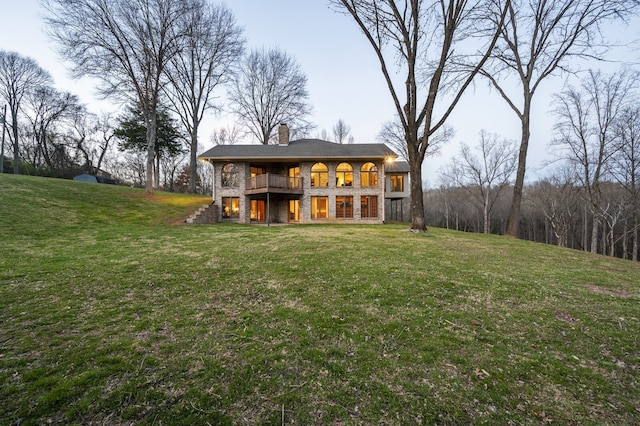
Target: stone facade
279	203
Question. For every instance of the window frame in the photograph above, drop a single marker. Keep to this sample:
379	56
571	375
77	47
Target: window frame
346	175
229	178
230	202
371	174
315	209
320	174
347	206
394	180
367	207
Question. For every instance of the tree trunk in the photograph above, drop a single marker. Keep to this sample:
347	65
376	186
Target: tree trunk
485	214
634	256
16	148
151	139
417	203
585	229
513	224
193	161
193	165
625	241
594	234
156	173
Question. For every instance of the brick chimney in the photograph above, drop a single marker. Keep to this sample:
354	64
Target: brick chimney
283	134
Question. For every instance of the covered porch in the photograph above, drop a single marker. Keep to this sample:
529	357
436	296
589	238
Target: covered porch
269	208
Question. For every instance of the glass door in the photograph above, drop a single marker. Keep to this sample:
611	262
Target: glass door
258	210
294	210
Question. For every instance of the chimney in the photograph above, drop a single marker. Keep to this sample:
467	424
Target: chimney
283	134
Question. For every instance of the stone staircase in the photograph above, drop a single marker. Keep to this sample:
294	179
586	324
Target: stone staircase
208	213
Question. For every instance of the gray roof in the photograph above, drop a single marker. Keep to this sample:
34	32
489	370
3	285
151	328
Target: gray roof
302	149
397	166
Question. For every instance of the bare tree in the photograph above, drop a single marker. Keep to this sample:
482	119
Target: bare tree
270	89
392	134
486	175
557	197
586	133
539	38
211	47
429	41
226	135
341	132
104	129
19	75
45	108
126	45
626	170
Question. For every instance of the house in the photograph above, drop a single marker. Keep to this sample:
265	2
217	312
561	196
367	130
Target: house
304	181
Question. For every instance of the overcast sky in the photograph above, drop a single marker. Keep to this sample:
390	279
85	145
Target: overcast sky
344	77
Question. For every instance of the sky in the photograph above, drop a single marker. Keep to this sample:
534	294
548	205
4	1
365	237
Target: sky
343	76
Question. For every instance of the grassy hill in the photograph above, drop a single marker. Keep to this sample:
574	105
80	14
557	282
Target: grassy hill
113	312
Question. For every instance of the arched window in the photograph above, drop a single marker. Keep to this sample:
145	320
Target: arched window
344	175
229	175
319	175
369	175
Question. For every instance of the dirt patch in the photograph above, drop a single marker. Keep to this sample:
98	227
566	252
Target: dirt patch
565	317
616	292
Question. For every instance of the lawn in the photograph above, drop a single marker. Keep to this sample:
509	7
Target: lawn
113	311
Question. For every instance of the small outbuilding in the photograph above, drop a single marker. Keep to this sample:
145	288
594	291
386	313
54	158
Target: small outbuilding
85	177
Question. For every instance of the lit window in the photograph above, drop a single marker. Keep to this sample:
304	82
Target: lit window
294	178
368	175
257	171
319	175
397	183
229	175
344	175
344	207
319	207
369	206
230	207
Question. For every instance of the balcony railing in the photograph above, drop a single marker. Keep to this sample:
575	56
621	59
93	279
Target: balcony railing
274	183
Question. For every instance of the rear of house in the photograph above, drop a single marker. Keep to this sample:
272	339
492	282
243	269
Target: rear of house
301	181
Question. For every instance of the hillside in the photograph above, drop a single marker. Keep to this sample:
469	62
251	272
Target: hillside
114	312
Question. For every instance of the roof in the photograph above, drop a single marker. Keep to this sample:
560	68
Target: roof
85	177
397	167
301	149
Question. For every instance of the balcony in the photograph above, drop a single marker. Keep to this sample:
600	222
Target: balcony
274	184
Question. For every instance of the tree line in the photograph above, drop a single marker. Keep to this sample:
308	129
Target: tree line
590	200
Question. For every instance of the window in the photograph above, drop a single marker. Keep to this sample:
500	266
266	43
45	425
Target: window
369	175
369	206
229	175
294	178
319	207
397	183
257	171
230	207
344	175
344	207
319	175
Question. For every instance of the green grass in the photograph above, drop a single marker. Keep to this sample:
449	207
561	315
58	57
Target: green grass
113	312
